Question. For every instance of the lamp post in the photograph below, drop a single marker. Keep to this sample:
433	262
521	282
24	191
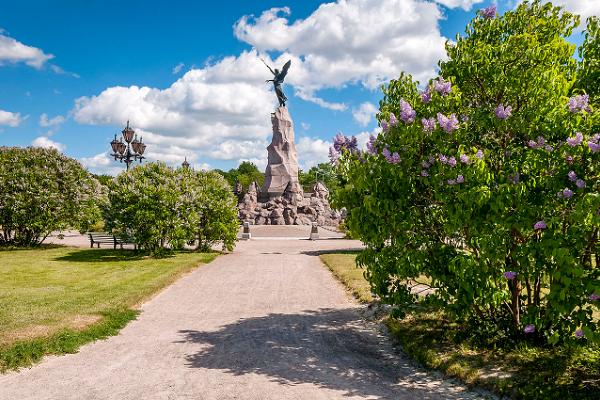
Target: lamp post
129	151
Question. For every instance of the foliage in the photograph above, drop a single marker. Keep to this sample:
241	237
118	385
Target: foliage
155	206
487	183
41	191
245	173
323	172
588	78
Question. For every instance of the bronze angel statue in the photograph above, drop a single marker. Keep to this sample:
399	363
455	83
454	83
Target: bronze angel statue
278	77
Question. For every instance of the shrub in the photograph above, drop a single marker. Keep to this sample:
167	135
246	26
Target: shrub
41	191
487	183
155	206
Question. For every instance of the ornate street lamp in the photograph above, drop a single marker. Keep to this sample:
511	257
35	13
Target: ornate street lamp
129	151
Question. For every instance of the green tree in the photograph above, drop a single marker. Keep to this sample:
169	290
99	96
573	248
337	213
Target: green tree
486	182
41	191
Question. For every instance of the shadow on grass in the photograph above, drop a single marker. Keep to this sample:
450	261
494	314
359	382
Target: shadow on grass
104	255
38	247
334	251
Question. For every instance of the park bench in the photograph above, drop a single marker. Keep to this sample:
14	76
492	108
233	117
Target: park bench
106	238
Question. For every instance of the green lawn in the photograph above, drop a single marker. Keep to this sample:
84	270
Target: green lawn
522	372
53	299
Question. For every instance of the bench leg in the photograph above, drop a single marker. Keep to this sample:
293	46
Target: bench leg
91	245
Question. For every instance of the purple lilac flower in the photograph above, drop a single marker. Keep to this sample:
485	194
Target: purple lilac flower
334	155
426	95
533	144
580	183
424	173
428	124
579	334
488	12
371	149
569	158
452	162
579	103
443	159
572	176
503	112
549	148
448	124
460	179
540	225
594	297
384	126
391	158
395	158
407	113
464	159
529	328
576	141
566	194
425	164
479	154
442	87
594	147
339	141
431	160
510	275
386	153
393	120
451	182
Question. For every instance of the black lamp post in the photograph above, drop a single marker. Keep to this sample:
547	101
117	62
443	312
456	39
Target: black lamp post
129	151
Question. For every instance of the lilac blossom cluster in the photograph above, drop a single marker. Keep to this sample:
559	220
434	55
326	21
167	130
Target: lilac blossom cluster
459	179
579	103
580	183
426	164
510	275
539	144
575	141
465	159
429	124
565	193
341	142
442	87
540	225
488	12
392	158
579	334
407	113
594	297
594	143
426	95
529	328
448	124
371	148
503	112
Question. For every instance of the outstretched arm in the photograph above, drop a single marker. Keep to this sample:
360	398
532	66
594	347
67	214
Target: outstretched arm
273	72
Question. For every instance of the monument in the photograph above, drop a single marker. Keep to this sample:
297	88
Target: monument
281	200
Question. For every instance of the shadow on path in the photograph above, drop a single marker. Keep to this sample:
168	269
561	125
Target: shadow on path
329	348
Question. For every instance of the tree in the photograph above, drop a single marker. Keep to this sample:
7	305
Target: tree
486	182
41	191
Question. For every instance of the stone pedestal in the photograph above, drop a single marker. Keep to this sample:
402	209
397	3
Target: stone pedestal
281	174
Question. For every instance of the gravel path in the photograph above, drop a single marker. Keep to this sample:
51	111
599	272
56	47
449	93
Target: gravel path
265	322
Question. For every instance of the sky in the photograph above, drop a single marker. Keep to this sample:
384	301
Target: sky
188	75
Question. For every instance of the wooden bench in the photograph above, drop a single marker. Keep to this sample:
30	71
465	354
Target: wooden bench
106	238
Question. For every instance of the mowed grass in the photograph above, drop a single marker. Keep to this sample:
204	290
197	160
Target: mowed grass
53	299
343	266
523	372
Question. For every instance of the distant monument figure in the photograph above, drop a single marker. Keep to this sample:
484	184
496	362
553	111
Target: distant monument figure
278	77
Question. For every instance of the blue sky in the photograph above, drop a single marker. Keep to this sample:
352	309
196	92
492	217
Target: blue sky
187	74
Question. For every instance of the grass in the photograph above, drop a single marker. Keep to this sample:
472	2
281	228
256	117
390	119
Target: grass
522	372
54	299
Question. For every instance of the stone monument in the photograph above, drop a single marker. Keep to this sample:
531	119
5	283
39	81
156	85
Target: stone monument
281	200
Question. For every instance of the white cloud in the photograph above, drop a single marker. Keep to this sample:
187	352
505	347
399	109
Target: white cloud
585	8
46	122
312	151
43	141
13	51
364	113
10	119
221	111
464	4
177	69
351	41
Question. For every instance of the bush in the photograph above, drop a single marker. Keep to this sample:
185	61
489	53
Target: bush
41	191
155	206
487	183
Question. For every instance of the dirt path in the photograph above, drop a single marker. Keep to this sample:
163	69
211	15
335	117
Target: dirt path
265	322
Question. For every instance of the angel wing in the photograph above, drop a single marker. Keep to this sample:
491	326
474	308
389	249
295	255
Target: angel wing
284	70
